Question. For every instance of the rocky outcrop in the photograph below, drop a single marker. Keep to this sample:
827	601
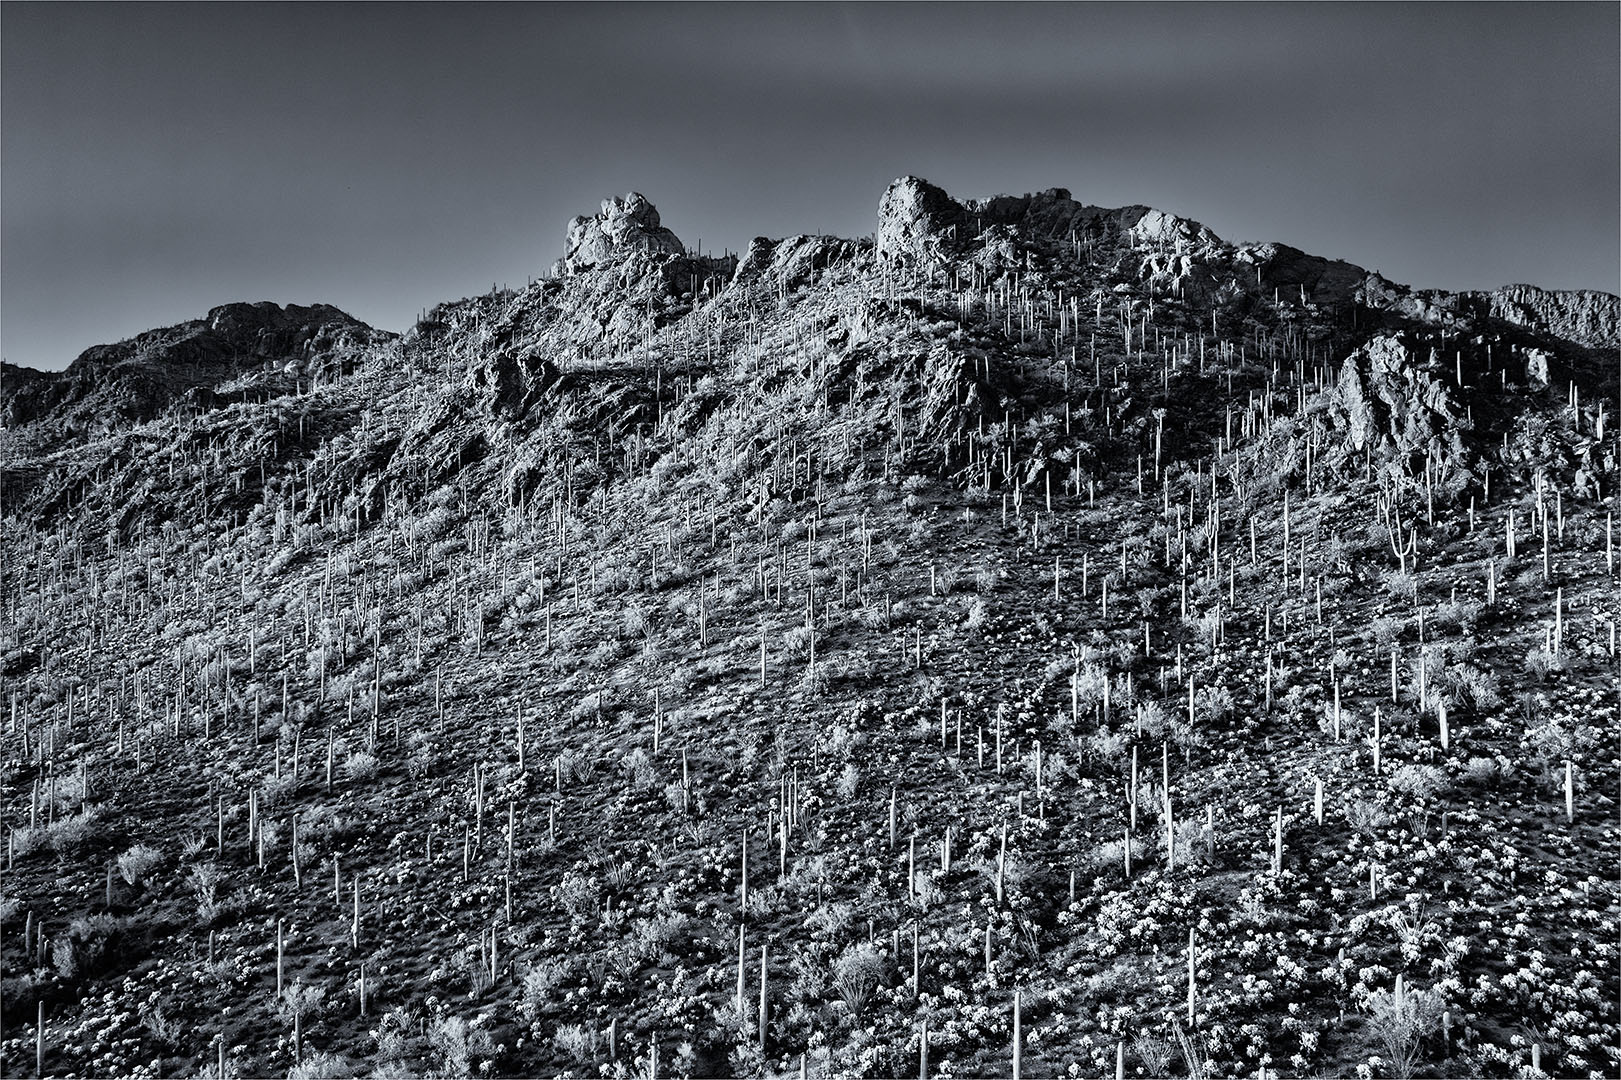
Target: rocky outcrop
792	262
130	382
1588	318
1157	229
621	227
1050	214
920	222
1395	404
1293	274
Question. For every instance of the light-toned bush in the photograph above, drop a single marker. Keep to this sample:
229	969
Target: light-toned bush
138	863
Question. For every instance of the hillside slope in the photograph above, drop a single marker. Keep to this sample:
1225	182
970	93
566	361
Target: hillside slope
1039	618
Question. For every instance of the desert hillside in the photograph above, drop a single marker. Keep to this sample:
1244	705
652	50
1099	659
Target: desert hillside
1033	639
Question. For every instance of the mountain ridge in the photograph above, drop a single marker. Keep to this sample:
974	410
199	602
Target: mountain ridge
631	223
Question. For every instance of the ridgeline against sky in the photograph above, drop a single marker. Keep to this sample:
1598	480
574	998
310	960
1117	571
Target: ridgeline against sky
161	160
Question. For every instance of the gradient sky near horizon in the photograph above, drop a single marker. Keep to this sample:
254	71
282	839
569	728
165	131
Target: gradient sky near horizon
157	160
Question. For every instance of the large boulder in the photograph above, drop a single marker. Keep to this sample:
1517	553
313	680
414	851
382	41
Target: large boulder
1395	404
919	222
621	227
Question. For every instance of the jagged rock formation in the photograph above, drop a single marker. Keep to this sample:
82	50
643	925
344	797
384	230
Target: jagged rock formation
1583	316
626	294
622	226
917	220
1394	405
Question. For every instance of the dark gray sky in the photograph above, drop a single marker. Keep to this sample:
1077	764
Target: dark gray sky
158	160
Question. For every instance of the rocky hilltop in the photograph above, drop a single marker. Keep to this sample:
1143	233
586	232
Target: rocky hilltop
196	366
1035	638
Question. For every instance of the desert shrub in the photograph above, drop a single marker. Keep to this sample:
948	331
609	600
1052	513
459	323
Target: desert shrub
71	834
636	622
817	677
638	766
1192	842
985	580
606	652
204	880
322	1065
1155	1053
1153	719
163	1030
577	1042
1551	743
1459	615
1419	782
456	1043
423	755
1106	746
360	766
798	641
577	893
1540	663
394	1038
1090	682
841	741
94	938
575	765
540	983
945	580
849	781
1193	1055
138	863
435	524
589	707
300	1000
1400	1022
276	790
65	793
1401	584
1413	929
1366	816
1474	687
269	837
652	937
1110	856
1213	703
856	974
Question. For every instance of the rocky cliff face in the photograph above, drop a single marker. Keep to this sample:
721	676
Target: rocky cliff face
1585	317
